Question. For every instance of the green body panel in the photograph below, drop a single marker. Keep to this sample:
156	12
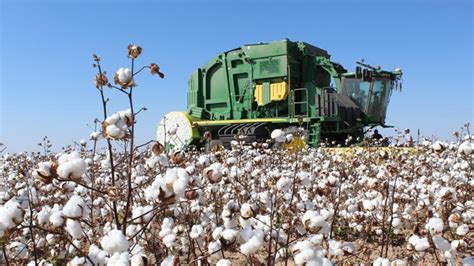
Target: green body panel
332	102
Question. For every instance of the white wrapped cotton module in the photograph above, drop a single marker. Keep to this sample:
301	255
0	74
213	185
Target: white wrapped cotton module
175	128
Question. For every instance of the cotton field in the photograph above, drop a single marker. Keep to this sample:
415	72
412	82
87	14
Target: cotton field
253	204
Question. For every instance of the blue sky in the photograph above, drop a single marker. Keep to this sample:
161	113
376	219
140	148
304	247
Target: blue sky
46	64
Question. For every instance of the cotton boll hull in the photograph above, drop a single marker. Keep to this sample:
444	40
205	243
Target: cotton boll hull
176	129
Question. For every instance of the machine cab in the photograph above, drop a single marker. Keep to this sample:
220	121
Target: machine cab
371	89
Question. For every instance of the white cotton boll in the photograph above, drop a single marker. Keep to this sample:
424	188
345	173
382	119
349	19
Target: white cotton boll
114	241
114	132
169	240
396	222
379	261
317	239
368	205
214	248
77	261
314	222
97	255
125	114
304	256
124	75
10	214
348	248
435	225
230	235
245	234
74	228
168	261
466	148
246	211
56	218
438	146
217	233
462	230
75	207
284	184
71	165
278	135
263	222
118	259
137	260
253	244
95	135
112	119
196	231
223	262
399	262
420	244
335	248
231	161
179	187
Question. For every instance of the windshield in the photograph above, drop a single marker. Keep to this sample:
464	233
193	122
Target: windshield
372	97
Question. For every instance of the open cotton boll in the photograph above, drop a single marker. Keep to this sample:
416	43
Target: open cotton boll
97	255
246	211
420	244
335	248
114	132
379	261
11	214
137	260
118	259
125	114
179	187
74	228
56	218
213	249
196	231
223	262
253	244
112	119
217	233
314	222
75	207
124	75
144	212
462	230
71	166
278	135
435	225
399	262
230	235
96	135
114	241
284	184
76	261
466	147
169	240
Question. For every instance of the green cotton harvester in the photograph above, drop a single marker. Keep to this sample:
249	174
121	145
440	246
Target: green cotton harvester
294	86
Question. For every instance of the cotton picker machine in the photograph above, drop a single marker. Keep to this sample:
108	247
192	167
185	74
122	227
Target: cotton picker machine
254	89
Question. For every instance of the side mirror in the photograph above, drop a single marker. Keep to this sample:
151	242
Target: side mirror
358	72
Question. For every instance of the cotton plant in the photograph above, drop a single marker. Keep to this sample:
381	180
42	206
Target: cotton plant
314	207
